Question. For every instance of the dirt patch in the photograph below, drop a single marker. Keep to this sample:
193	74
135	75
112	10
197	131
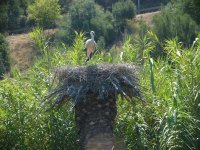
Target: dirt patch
147	17
22	49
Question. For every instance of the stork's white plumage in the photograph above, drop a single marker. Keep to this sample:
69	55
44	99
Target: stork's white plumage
90	46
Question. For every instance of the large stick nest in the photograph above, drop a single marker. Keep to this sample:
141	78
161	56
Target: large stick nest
98	81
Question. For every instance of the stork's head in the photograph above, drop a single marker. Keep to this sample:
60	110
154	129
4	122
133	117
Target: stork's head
92	33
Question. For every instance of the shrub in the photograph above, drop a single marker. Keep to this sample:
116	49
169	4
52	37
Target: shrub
191	7
13	14
172	22
85	15
121	11
44	12
124	10
37	35
3	17
105	3
4	56
64	5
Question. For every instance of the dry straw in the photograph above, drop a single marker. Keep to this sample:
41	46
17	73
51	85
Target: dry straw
101	81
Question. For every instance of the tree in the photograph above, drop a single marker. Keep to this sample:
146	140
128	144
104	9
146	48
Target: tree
64	5
107	4
13	14
4	56
3	16
24	12
192	7
123	10
86	15
44	12
173	22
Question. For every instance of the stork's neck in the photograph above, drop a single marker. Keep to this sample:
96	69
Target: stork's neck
92	36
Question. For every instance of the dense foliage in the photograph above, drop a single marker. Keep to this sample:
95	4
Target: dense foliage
3	16
86	15
105	3
172	90
124	10
191	7
121	11
4	56
169	120
64	5
172	23
145	4
13	14
44	12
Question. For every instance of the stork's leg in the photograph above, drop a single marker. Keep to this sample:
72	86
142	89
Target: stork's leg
87	60
91	54
87	56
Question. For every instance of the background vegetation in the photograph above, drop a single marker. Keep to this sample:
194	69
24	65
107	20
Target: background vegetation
86	15
4	56
168	56
44	12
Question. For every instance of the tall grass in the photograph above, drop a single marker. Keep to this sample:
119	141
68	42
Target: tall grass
170	120
170	85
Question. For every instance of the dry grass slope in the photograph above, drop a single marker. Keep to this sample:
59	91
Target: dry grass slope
147	17
23	50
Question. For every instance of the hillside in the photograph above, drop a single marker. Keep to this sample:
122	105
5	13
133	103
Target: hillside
22	49
147	17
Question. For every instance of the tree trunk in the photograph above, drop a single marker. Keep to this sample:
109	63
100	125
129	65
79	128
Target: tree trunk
95	121
93	89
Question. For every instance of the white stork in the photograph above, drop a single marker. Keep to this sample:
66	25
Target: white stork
90	46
